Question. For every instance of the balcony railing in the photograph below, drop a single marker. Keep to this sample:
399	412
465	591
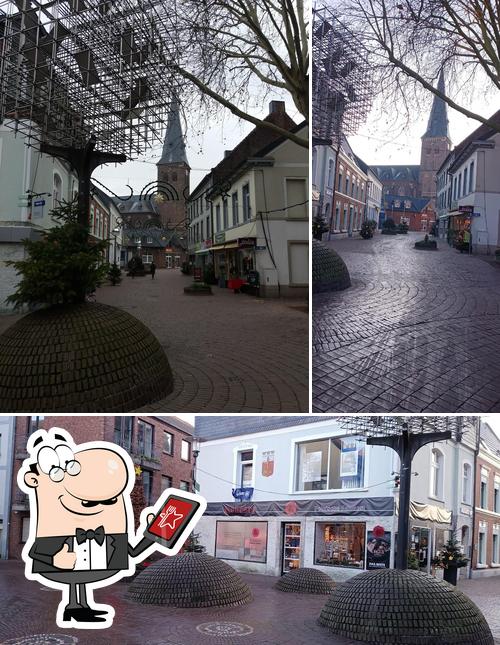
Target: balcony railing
149	460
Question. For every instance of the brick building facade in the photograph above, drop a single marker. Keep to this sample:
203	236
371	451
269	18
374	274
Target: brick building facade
161	446
416	212
349	195
486	548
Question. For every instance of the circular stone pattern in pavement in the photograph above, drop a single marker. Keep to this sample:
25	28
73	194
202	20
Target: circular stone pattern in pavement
190	580
404	607
329	271
223	629
306	580
42	639
81	358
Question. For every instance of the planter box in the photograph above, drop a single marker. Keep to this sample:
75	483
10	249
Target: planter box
198	290
431	245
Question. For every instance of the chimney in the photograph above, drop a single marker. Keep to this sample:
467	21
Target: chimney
277	107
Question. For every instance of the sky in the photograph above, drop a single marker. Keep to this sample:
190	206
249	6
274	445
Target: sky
376	145
204	151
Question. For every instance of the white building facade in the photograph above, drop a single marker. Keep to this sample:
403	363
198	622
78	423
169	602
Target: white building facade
468	190
31	185
320	499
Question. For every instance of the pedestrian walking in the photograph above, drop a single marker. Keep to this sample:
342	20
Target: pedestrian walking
153	270
467	240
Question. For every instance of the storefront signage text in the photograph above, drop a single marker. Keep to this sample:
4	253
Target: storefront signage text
243	494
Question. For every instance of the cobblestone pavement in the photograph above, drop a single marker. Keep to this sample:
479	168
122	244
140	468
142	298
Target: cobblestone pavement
229	352
417	331
273	618
485	592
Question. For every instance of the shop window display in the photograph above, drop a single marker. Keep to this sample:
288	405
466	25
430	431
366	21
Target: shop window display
340	545
329	464
244	541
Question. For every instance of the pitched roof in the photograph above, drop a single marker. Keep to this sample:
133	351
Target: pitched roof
397	173
184	426
256	143
417	204
213	427
174	148
437	125
482	133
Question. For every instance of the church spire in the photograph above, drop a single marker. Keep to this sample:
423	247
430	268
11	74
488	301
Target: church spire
438	120
174	149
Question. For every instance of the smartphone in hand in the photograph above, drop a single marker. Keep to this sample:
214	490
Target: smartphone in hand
170	522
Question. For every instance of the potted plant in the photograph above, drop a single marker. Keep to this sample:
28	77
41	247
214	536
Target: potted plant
114	274
366	230
319	226
450	559
403	228
389	227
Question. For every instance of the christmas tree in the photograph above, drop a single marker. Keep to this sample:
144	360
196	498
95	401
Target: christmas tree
193	545
450	555
62	267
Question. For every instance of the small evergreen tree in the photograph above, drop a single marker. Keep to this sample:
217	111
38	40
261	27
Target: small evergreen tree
319	226
193	545
450	555
114	274
62	267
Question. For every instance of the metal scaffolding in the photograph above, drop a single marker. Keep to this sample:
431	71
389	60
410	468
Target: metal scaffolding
406	435
341	80
75	69
390	426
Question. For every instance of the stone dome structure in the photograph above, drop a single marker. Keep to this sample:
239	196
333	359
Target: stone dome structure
306	580
190	580
329	271
404	607
81	358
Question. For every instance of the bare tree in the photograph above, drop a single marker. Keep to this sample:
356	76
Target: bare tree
410	41
238	52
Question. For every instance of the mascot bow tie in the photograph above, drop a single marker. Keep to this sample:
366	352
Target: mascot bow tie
97	535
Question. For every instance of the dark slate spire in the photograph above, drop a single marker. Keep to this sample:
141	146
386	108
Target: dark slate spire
438	120
174	149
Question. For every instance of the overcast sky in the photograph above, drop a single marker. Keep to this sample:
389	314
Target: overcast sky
376	144
204	151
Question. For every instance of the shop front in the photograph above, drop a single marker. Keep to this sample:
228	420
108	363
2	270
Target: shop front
338	536
430	528
234	261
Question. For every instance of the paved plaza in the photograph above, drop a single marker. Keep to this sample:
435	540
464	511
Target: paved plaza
229	352
418	331
273	618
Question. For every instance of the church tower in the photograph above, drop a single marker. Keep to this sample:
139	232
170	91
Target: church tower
436	144
173	173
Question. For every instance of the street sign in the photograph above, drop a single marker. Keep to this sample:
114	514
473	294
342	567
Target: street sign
260	248
37	210
466	209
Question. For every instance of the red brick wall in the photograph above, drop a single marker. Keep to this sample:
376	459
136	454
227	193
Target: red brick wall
416	219
482	517
92	428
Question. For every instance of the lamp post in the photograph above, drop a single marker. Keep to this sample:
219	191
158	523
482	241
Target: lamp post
115	232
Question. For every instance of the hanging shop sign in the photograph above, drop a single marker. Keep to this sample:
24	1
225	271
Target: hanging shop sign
243	494
37	210
246	241
378	548
466	209
268	463
220	237
383	506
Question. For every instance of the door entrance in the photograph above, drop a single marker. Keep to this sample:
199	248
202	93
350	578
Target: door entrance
291	546
420	546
